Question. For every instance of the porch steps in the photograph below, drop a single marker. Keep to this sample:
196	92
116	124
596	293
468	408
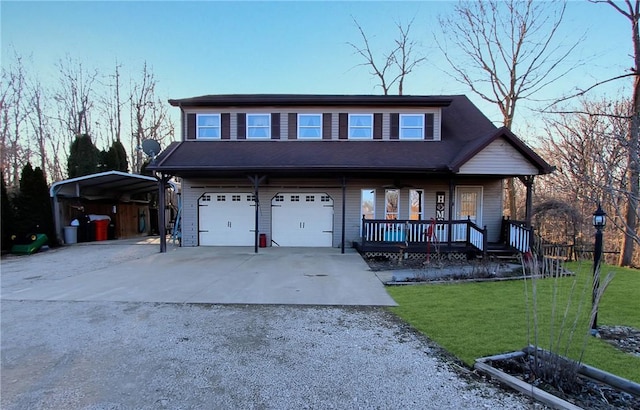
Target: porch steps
501	252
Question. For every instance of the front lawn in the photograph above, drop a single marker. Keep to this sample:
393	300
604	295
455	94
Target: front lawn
473	320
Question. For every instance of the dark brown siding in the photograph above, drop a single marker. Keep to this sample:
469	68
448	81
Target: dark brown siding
326	126
225	126
275	126
377	126
242	126
394	126
343	126
191	126
293	126
428	127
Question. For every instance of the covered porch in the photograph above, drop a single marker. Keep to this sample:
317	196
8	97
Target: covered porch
453	236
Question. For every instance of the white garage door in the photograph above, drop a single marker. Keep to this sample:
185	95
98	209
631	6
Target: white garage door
226	219
302	219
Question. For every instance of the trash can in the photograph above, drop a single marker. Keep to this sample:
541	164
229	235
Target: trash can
263	240
102	227
70	235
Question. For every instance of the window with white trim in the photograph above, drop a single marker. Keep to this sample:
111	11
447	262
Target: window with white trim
367	204
411	126
208	126
310	126
392	203
258	125
360	126
416	204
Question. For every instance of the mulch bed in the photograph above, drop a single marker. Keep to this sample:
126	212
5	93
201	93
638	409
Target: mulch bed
587	393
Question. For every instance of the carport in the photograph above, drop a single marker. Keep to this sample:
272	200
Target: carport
110	187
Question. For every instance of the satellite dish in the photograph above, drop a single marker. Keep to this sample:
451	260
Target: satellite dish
151	147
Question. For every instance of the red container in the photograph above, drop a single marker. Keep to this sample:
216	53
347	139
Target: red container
101	229
263	240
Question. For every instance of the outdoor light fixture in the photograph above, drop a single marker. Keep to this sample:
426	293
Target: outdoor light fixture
599	221
599	218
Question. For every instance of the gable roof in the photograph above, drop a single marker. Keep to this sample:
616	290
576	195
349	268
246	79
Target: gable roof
472	149
465	131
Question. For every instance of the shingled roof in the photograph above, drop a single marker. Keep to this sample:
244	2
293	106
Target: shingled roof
465	131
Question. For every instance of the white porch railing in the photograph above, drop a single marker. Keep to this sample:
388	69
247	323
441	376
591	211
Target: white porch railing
519	237
412	231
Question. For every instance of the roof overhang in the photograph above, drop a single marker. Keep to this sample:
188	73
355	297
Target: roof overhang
306	100
110	184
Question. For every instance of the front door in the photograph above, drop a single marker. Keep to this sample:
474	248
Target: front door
468	205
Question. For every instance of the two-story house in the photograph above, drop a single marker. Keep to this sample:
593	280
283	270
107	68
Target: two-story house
340	170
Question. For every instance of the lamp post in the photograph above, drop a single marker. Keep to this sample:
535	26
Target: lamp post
599	221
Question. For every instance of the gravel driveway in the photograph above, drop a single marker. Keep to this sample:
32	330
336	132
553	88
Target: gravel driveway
105	355
136	355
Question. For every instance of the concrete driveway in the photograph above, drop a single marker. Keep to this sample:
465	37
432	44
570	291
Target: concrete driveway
82	329
134	271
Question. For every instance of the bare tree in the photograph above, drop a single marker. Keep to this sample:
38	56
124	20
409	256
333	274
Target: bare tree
75	97
113	105
149	117
13	115
589	147
40	123
510	50
393	66
631	11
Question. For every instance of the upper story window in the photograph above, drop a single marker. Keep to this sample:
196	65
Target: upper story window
360	126
258	125
411	126
310	126
208	126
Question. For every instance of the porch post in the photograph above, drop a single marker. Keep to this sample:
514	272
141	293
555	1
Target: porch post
256	179
344	207
161	212
56	217
528	181
452	192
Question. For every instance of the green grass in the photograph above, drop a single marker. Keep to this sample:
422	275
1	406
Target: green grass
473	320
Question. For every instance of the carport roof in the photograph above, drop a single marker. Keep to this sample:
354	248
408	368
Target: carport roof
104	184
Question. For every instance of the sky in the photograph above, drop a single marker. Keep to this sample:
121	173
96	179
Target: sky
215	47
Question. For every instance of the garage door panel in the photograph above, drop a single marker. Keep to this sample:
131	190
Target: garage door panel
302	219
226	219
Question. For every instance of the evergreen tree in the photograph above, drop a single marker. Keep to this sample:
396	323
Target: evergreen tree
83	157
33	204
116	158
